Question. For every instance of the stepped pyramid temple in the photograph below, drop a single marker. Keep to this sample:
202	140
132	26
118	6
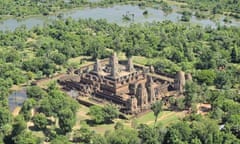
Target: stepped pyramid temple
132	87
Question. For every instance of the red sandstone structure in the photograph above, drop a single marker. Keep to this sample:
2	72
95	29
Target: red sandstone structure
130	86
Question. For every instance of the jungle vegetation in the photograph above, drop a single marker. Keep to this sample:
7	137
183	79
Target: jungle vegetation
212	56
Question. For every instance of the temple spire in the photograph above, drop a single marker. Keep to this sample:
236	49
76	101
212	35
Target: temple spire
114	65
149	79
97	66
180	81
130	66
150	88
142	96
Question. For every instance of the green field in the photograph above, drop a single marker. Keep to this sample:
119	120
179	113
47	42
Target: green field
165	118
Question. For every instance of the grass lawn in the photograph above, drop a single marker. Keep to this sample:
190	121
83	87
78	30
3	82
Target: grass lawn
150	117
170	2
101	129
165	118
81	116
78	60
144	61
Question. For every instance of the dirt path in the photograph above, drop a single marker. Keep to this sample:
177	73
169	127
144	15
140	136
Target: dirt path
16	111
43	82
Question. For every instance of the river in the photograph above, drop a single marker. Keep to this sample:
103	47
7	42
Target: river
111	14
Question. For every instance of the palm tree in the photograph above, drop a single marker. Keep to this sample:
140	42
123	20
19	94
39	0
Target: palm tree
156	108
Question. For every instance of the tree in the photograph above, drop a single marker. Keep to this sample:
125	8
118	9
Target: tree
19	125
26	137
196	141
98	139
217	113
110	112
52	86
118	125
3	96
147	134
105	114
58	58
234	55
97	114
180	103
191	93
206	76
5	117
1	139
228	138
36	92
46	107
40	121
57	101
206	130
124	136
156	108
67	120
233	123
84	134
6	130
223	80
27	106
60	140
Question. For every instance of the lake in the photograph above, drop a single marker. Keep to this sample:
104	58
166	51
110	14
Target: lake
17	98
111	14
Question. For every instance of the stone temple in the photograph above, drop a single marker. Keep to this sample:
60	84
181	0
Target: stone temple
132	87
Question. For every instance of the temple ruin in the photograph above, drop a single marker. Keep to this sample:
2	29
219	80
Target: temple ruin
132	87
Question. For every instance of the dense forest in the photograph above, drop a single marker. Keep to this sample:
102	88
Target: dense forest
176	46
212	56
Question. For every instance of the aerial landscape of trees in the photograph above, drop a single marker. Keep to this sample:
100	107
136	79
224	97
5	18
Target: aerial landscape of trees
229	7
211	55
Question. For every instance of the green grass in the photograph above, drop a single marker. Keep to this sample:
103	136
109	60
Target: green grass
170	120
146	118
170	2
144	61
101	129
165	118
77	59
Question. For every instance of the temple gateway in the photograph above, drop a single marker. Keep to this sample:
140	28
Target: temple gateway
131	86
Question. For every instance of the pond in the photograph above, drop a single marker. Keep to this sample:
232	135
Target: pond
17	98
111	14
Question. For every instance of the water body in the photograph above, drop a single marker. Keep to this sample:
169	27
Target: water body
17	98
111	14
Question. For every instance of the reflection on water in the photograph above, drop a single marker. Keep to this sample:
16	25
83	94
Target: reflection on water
17	98
111	14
